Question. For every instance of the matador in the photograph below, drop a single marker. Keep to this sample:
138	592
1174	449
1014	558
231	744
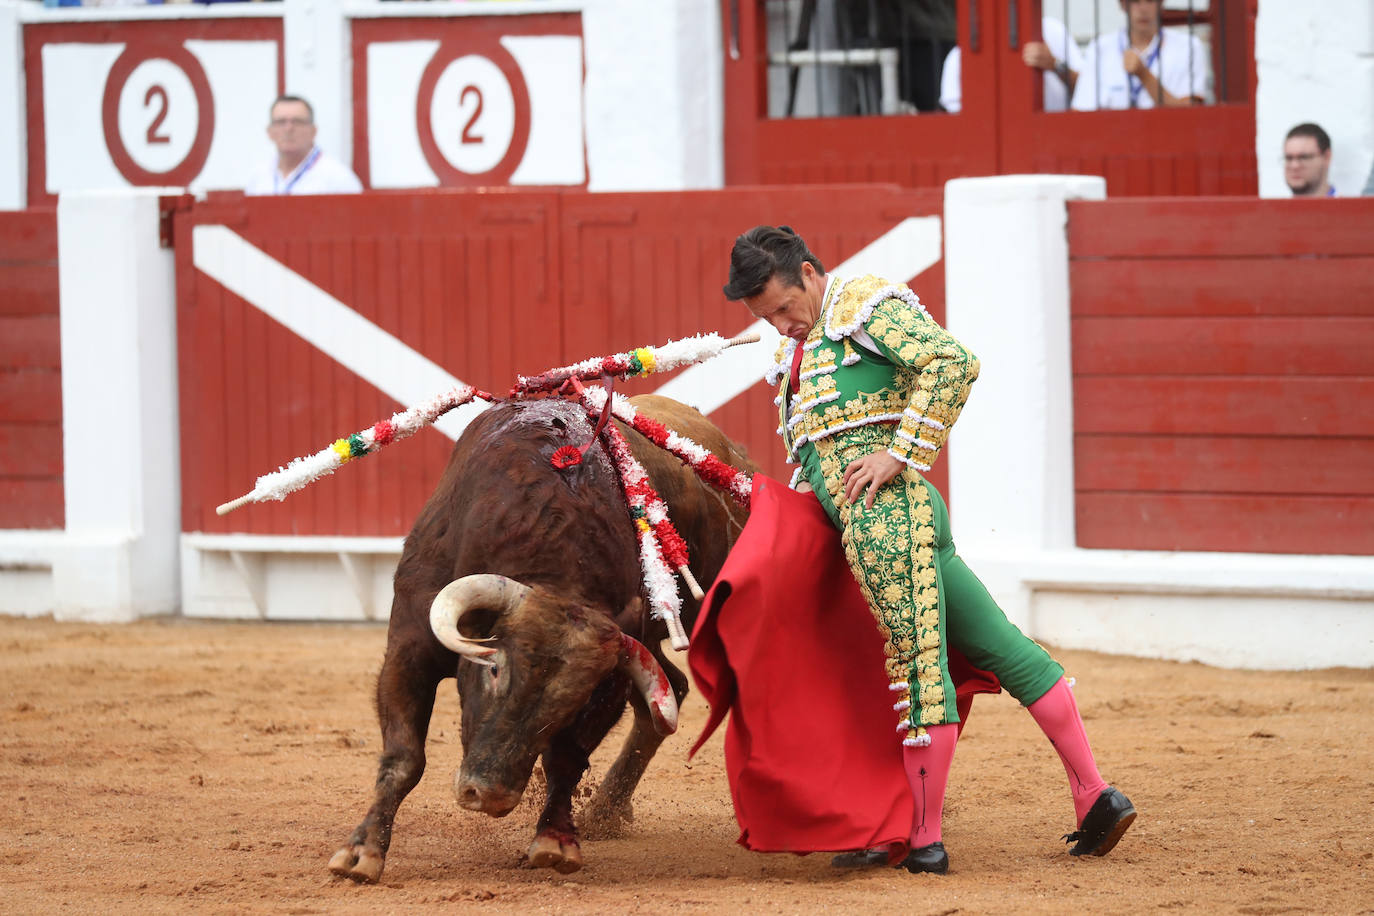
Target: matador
869	387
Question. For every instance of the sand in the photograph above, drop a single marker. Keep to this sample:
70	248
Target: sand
175	766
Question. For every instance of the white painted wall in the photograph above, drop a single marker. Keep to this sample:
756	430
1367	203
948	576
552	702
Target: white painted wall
319	69
653	95
13	153
1315	63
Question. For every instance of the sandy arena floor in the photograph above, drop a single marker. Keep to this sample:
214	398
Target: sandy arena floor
175	766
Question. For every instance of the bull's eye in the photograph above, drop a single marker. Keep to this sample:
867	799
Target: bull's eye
495	674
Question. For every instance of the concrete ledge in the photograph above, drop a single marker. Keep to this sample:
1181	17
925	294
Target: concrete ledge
257	577
27	584
281	543
1271	612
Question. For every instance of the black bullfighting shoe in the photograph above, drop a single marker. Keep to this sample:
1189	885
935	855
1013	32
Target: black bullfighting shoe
863	858
1103	825
932	859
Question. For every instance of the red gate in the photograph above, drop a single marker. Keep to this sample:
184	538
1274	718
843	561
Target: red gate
487	285
1002	128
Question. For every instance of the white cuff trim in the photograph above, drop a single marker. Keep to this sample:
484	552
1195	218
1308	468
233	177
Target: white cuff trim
919	443
909	462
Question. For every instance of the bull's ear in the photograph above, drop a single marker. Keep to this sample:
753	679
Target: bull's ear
632	615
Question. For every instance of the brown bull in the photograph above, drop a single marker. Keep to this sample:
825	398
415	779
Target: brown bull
533	581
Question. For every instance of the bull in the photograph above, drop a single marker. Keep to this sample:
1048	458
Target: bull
523	583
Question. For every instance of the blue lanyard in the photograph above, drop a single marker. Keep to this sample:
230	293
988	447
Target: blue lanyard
1135	84
296	175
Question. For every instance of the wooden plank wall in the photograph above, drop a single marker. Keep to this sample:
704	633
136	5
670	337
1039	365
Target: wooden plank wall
30	372
636	269
465	279
1223	355
487	285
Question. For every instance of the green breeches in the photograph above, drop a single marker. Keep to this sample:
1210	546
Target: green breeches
923	596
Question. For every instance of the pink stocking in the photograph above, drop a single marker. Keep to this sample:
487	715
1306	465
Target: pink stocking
1057	715
927	771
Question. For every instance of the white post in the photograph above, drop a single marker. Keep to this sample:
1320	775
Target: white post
319	68
13	180
654	109
119	409
1007	299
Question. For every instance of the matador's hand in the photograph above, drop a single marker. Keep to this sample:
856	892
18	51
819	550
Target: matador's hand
869	472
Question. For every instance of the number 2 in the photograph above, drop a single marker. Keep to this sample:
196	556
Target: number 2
152	136
468	135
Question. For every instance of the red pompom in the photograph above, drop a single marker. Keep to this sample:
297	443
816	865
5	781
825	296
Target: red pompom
383	432
566	456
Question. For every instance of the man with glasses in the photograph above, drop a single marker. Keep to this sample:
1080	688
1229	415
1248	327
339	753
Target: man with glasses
300	167
1307	161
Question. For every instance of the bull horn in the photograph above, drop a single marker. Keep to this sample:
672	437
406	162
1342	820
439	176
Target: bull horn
493	592
650	680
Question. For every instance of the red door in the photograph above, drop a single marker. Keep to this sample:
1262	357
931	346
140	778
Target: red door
914	150
1204	150
1001	127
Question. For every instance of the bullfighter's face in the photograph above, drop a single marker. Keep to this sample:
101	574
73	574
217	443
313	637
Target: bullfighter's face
792	310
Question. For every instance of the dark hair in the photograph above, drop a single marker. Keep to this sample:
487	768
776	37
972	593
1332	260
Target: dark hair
1309	129
762	253
293	98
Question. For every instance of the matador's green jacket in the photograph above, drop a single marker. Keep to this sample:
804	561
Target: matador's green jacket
918	379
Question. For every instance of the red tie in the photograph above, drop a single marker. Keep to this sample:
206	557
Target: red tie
796	368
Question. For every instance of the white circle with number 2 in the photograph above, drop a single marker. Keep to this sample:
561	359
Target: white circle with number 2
158	115
472	114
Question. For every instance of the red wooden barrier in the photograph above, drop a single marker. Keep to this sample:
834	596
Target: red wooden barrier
30	372
1224	374
487	286
649	267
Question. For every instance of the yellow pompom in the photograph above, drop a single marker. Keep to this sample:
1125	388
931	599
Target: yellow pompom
642	524
646	359
340	448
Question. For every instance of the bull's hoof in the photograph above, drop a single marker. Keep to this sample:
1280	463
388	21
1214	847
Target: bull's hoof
357	863
562	855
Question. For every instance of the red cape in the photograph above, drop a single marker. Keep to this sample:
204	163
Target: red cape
786	642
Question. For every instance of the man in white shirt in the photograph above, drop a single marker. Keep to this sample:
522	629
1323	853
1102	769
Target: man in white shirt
1058	56
1142	66
300	167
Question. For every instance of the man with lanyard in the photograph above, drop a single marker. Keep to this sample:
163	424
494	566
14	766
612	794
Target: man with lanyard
300	167
870	387
1141	67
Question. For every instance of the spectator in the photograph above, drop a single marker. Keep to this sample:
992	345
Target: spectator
1058	56
300	167
1307	161
1141	66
